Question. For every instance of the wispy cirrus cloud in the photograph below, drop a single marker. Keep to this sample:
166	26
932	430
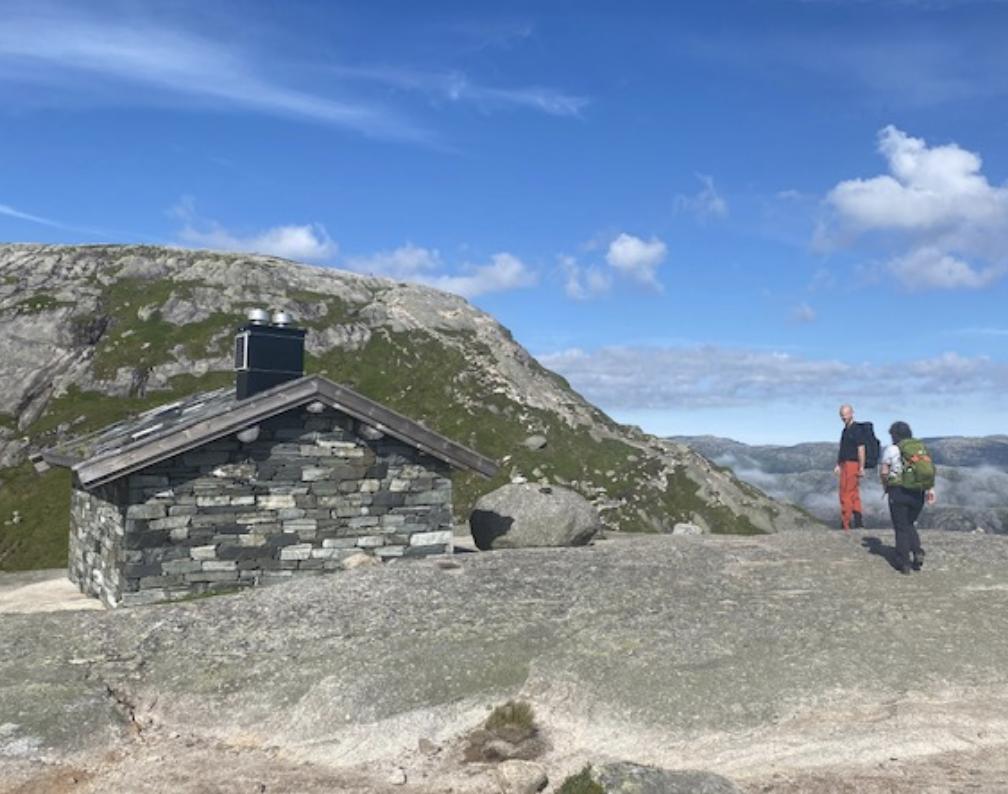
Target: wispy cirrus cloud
459	88
107	234
86	53
584	283
708	203
12	212
87	48
803	314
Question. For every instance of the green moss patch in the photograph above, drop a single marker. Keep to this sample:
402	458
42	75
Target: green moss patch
143	342
39	302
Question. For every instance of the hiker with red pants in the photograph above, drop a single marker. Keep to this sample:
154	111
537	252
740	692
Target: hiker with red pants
850	467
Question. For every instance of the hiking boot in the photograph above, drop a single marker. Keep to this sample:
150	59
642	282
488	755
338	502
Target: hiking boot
918	560
856	521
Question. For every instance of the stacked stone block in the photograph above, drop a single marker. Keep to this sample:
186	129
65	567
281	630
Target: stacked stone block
309	492
97	540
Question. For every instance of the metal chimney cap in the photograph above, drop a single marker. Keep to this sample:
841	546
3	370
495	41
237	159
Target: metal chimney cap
282	319
258	316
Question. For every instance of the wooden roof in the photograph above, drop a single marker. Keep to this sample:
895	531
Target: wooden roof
170	430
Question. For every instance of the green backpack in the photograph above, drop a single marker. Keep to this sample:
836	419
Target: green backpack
918	469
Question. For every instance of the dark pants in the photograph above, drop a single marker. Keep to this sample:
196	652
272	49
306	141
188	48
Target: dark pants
904	508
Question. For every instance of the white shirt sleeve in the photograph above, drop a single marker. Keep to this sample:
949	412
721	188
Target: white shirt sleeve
893	458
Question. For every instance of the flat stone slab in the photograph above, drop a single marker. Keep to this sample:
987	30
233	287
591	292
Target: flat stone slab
41	591
786	663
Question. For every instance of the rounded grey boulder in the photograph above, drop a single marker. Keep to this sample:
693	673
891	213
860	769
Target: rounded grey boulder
535	442
526	515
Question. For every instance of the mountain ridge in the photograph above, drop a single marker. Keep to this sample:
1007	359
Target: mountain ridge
972	478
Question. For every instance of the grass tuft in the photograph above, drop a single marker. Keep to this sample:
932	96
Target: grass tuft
513	715
581	783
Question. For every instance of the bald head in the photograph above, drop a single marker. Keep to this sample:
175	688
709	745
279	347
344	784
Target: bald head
846	414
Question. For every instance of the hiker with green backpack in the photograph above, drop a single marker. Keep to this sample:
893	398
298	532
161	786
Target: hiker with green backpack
908	477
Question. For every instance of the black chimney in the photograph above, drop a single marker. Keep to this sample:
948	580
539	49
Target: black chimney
268	352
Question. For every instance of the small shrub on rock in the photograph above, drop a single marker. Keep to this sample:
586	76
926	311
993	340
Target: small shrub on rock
509	733
581	783
515	715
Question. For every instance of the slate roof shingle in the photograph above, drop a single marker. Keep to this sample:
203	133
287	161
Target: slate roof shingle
168	430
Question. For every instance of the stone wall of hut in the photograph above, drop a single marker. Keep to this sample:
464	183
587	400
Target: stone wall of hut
313	489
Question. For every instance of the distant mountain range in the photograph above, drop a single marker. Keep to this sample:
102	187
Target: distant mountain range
972	479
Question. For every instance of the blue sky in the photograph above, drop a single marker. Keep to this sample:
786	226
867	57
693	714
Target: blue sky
724	217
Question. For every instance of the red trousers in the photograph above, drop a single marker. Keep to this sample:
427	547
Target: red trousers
850	491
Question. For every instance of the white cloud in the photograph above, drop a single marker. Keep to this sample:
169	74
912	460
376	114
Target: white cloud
406	263
425	266
709	376
935	205
584	283
309	242
505	272
930	267
637	259
707	203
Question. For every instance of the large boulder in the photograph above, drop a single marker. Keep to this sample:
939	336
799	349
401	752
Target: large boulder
525	515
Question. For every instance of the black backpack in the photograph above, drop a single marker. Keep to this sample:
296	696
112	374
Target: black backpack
872	447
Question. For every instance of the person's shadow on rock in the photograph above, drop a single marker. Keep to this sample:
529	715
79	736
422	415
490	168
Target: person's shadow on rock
877	547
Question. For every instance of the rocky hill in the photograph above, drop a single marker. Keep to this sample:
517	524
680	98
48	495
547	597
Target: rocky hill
972	479
90	334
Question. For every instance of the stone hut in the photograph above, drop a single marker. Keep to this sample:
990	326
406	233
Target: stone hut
234	488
